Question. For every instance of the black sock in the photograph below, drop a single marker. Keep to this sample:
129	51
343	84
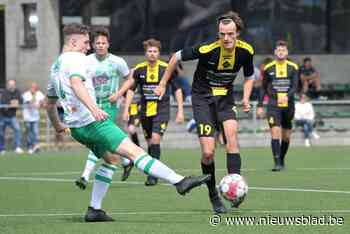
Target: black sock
284	149
154	151
233	163
211	184
135	139
276	149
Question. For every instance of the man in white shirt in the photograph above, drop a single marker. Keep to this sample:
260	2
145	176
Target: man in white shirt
106	71
304	116
71	83
33	99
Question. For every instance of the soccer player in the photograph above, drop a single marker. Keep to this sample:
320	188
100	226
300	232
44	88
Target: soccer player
91	126
280	84
106	70
155	112
213	103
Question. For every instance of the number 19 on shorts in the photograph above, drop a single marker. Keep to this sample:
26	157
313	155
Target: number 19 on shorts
205	129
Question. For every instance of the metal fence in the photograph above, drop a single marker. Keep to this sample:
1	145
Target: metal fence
330	116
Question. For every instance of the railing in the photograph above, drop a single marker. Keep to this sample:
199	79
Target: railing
331	110
335	113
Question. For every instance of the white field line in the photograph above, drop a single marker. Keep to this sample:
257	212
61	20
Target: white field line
185	170
163	184
182	213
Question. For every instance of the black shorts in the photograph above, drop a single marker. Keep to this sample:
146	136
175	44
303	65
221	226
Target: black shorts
278	117
156	124
210	112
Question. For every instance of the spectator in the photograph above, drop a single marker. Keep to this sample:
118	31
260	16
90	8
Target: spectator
304	116
310	79
257	84
11	100
259	76
33	99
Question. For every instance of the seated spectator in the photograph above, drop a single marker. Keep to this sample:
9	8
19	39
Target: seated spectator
310	79
11	100
33	100
305	116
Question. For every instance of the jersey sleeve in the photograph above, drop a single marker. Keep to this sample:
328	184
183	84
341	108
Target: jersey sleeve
248	67
190	53
123	68
77	66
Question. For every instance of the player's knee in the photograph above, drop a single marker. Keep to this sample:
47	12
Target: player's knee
207	156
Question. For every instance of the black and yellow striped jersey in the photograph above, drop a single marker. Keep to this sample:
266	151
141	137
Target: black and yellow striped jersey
217	68
280	79
147	79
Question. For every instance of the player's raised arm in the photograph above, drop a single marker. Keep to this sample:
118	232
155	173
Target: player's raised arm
83	95
160	90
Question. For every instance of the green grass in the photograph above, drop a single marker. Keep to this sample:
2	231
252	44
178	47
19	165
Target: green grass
57	206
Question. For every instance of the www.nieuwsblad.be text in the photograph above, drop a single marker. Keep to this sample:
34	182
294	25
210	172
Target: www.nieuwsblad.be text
302	220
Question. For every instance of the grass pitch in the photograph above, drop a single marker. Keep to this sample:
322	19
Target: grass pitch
37	195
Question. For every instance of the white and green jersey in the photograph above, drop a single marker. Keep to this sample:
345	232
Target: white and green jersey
106	75
70	64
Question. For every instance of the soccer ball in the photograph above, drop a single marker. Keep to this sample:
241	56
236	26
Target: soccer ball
233	188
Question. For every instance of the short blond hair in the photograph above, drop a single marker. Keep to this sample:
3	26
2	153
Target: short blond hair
75	28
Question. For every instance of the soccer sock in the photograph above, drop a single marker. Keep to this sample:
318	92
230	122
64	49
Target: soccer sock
103	179
233	163
284	149
135	139
276	149
156	168
154	150
210	169
89	165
